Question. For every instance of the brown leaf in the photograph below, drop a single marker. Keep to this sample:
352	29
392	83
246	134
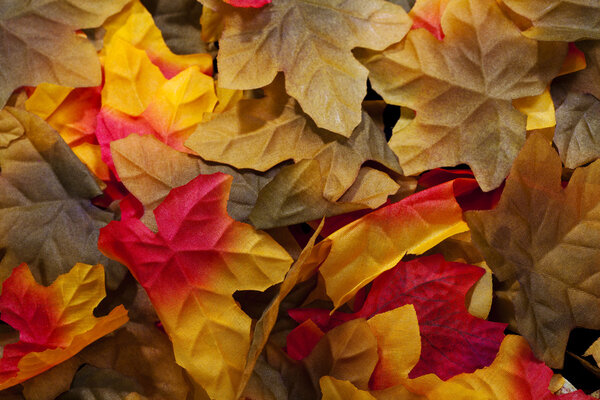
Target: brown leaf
39	43
347	352
462	90
261	133
546	238
46	217
311	42
562	20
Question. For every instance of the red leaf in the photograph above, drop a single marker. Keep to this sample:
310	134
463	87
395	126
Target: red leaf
453	341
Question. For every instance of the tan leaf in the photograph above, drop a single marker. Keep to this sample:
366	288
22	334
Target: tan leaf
347	352
546	239
563	20
39	43
462	89
311	43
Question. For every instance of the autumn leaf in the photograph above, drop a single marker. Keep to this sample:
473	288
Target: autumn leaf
311	43
336	389
54	322
99	384
40	44
428	14
190	269
514	374
149	169
46	217
578	129
135	25
453	341
588	79
365	248
562	20
543	237
347	352
482	64
261	133
296	195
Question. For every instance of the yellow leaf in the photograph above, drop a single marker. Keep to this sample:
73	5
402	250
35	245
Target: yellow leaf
376	242
134	24
63	323
335	389
131	80
539	110
398	345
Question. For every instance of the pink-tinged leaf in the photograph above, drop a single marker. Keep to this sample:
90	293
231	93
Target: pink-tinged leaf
452	340
248	3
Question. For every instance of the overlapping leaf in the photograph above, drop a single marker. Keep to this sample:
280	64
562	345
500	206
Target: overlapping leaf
545	238
46	217
559	19
577	134
54	322
39	43
462	88
261	133
190	269
150	169
453	341
311	43
376	242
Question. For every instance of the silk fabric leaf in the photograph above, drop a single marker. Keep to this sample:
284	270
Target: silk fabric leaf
514	374
311	43
261	133
46	217
190	269
295	195
577	133
347	352
462	89
39	43
376	242
452	340
91	383
546	239
135	25
248	3
149	169
398	345
562	20
588	79
54	322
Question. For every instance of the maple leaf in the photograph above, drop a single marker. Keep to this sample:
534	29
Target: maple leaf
453	341
377	241
40	44
149	169
46	218
190	269
578	129
296	195
135	25
54	322
428	14
588	79
348	352
311	43
462	89
562	20
261	133
543	237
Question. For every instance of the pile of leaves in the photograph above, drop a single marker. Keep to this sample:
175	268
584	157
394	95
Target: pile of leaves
300	199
